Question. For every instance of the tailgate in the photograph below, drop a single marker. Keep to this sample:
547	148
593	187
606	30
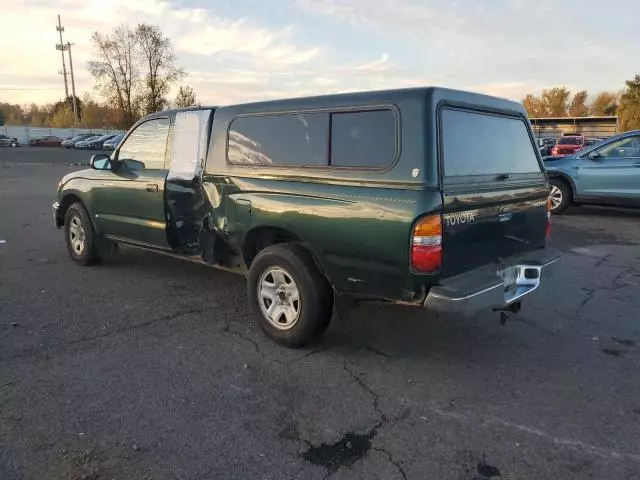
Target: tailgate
494	190
485	227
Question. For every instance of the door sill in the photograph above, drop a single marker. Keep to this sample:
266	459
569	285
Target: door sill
167	252
133	243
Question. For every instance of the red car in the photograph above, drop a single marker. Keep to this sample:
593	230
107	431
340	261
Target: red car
48	141
568	144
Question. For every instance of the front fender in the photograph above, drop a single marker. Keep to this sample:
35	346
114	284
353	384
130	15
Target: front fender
72	191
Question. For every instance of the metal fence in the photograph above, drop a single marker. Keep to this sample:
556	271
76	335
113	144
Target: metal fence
25	133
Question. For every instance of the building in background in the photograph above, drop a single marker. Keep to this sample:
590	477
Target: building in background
590	127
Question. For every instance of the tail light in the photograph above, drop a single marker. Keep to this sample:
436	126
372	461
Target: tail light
426	244
547	231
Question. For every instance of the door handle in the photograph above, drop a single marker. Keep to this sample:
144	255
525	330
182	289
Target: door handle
637	164
152	188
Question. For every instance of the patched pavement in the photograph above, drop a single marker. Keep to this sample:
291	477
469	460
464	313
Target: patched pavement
150	367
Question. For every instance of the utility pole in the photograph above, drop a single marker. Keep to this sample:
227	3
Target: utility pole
73	88
61	46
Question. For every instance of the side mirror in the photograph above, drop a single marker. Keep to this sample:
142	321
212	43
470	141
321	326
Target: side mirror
594	156
100	161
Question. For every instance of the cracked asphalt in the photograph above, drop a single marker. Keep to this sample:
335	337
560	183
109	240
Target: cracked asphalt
147	367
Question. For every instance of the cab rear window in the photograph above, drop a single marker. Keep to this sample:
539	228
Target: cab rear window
485	144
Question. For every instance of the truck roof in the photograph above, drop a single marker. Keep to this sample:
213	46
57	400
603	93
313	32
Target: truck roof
430	95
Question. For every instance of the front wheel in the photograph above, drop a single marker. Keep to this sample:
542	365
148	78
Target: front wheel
560	196
289	298
80	235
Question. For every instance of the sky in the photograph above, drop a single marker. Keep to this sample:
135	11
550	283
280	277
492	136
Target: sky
244	50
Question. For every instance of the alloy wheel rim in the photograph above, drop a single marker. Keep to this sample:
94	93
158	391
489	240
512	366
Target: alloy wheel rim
279	298
555	196
77	235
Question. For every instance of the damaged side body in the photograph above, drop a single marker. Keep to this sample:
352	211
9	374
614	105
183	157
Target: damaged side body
196	225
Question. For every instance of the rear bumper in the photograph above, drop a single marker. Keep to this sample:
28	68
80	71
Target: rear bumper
492	287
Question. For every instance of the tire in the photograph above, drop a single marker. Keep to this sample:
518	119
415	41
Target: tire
278	275
560	195
80	236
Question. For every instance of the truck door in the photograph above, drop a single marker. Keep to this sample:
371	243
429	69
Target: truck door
130	204
186	202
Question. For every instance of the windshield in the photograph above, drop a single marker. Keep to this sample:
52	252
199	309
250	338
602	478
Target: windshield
570	141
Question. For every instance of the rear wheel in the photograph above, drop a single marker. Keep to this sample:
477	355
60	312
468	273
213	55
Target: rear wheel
560	195
289	298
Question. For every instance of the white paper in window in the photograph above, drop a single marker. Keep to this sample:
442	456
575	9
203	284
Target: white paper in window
189	148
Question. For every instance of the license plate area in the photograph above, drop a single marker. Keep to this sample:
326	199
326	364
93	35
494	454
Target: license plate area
519	280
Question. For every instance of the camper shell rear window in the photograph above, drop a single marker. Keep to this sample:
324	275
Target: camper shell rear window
479	143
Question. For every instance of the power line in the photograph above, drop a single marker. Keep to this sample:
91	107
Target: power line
73	87
25	89
62	47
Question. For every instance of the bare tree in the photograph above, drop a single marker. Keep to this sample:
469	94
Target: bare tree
186	97
117	70
159	67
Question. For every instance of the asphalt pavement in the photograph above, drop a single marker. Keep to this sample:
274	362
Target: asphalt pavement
148	367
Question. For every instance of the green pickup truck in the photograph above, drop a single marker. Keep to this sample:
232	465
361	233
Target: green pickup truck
427	197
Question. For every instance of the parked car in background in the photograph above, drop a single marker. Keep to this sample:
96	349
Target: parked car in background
545	145
568	144
329	196
69	143
607	173
83	144
112	143
6	141
96	143
47	141
591	141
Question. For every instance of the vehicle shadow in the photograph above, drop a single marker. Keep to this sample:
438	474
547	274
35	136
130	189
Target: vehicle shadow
381	330
611	212
399	332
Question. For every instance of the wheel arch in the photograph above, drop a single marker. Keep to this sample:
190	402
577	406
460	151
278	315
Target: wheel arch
261	237
69	198
565	178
